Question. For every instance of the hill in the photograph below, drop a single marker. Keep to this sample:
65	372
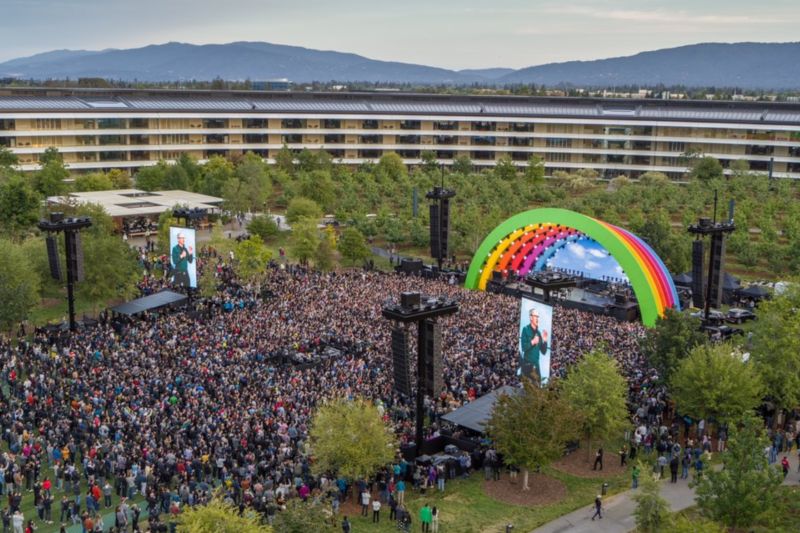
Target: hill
745	65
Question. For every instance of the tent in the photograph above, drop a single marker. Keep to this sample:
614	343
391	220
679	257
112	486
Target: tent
477	413
756	292
683	280
151	302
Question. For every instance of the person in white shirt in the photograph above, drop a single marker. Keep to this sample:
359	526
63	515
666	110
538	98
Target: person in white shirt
376	511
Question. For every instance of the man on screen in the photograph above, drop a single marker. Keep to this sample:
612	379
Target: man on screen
181	257
533	344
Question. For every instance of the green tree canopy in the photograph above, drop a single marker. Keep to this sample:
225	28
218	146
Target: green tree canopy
353	246
303	208
7	157
670	341
776	348
19	285
119	179
595	388
714	382
531	428
304	240
113	272
49	180
219	517
304	517
19	205
535	169
215	174
706	169
747	485
652	511
263	226
252	258
96	181
351	439
151	178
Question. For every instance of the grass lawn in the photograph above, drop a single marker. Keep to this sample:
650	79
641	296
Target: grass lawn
465	508
786	519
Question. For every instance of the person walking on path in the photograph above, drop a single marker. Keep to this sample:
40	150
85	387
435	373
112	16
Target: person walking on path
434	520
635	476
785	466
401	492
673	469
426	517
598	506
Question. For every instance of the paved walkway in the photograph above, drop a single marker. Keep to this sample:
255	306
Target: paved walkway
618	509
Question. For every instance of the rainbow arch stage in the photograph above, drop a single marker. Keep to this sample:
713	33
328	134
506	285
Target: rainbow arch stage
525	242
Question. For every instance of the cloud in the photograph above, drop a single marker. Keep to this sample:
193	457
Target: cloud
577	250
591	265
659	16
600	254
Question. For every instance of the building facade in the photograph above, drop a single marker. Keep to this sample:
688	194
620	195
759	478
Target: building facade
103	129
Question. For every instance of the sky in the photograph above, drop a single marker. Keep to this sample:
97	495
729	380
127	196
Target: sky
590	258
454	34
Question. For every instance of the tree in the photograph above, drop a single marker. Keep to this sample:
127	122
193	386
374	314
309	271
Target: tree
302	208
323	258
19	286
351	439
49	180
391	165
302	517
215	174
670	341
714	382
284	160
207	284
119	179
653	178
19	205
175	178
462	164
535	169
429	162
253	173
531	427
7	157
151	178
706	169
747	486
353	246
96	181
113	273
304	239
684	524
652	511
505	169
595	388
51	155
219	517
776	349
252	257
263	226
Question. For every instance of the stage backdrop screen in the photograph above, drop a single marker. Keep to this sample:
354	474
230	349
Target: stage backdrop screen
182	257
535	338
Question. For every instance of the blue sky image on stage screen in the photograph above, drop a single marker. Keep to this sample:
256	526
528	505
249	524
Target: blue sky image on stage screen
588	257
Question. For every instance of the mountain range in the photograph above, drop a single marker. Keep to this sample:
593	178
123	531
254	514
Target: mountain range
744	65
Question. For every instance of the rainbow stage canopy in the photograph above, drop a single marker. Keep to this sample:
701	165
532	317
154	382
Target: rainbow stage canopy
532	240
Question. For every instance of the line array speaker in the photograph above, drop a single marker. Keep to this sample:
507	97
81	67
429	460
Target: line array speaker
698	284
75	255
435	231
52	257
401	354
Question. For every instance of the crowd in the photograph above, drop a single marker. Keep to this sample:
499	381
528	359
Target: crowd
172	405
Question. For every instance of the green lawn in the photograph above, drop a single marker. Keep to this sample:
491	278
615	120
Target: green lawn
465	508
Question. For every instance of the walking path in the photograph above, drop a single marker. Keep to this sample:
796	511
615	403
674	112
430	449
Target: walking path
618	509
